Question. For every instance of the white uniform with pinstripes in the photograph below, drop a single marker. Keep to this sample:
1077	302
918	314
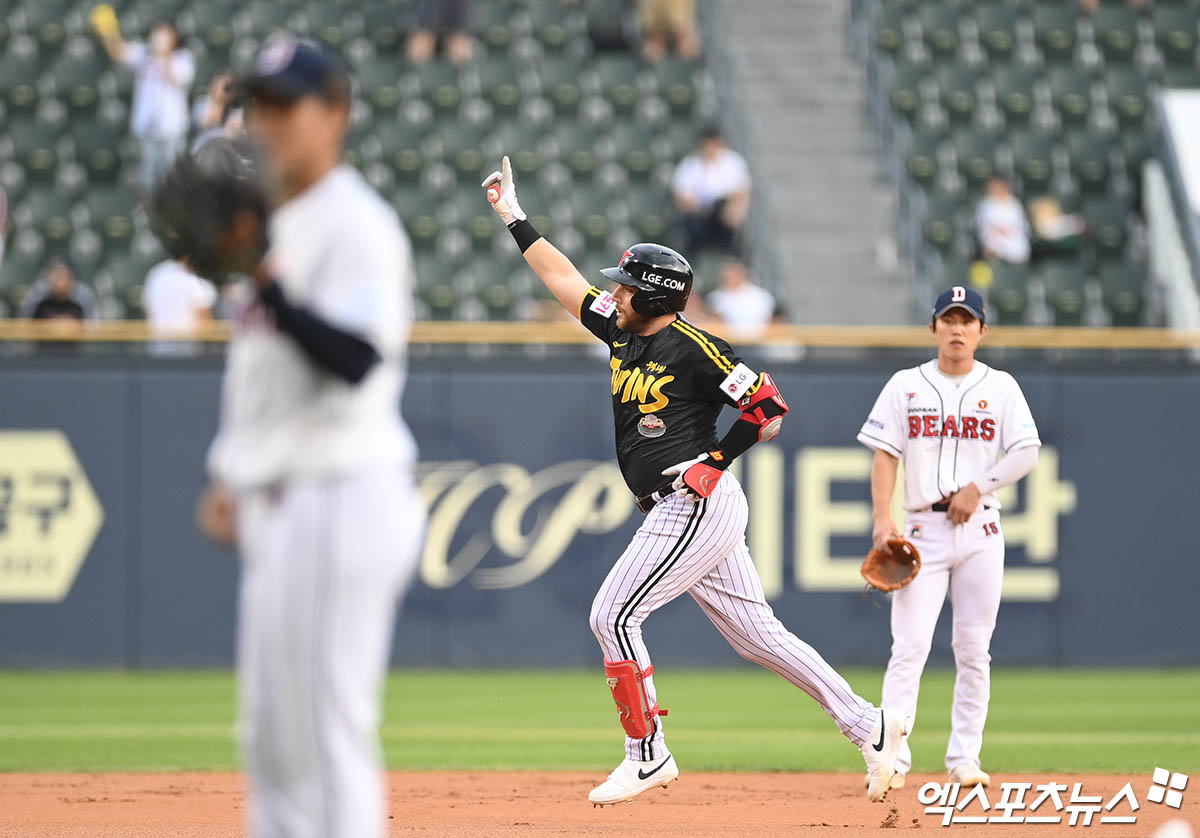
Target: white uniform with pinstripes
329	518
699	547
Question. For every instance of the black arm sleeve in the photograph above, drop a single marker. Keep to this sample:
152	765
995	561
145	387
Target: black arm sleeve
337	351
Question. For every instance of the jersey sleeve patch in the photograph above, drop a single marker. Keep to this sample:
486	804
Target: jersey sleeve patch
739	381
604	304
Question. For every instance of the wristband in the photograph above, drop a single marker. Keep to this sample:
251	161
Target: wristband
523	233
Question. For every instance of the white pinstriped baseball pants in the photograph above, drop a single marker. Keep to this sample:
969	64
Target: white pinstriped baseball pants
700	547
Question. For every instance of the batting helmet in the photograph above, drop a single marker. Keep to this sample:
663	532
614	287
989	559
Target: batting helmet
661	275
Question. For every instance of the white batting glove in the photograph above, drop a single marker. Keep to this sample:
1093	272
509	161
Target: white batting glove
694	477
502	193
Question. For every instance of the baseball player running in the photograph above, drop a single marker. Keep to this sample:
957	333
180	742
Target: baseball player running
311	466
669	381
963	431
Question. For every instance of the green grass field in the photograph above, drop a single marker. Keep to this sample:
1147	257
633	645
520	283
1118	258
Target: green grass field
745	719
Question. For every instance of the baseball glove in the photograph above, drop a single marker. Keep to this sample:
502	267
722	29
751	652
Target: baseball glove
893	568
212	207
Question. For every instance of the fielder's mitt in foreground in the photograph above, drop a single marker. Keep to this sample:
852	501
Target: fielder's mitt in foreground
893	568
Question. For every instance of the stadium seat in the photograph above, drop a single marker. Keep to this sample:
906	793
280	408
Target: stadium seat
462	144
414	208
677	84
997	30
921	159
1107	225
941	220
403	147
75	75
576	143
438	82
51	212
110	215
471	213
976	153
633	141
380	83
44	20
500	84
1008	293
19	83
1175	34
1089	154
1116	35
212	24
332	23
888	29
651	211
36	146
1127	97
522	142
384	26
1054	28
552	23
1071	90
561	76
1014	86
957	87
1121	291
1033	160
1064	283
492	23
939	28
905	93
617	76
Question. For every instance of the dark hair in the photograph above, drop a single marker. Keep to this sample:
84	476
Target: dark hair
711	131
55	260
162	21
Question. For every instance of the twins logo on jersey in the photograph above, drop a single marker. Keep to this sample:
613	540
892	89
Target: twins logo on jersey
644	388
970	427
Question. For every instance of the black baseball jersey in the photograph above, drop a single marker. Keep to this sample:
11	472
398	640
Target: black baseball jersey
667	390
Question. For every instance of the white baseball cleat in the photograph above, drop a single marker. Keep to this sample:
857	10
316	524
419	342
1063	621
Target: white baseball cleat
631	778
882	749
969	775
897	781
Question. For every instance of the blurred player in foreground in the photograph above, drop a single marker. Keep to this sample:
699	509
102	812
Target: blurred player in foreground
312	464
669	383
964	431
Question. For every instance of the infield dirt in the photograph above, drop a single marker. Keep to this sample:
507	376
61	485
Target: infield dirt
480	804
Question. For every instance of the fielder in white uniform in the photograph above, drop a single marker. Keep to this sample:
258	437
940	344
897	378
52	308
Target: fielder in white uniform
670	380
312	465
964	431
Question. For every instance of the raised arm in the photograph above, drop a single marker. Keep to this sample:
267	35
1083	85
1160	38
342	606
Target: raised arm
104	22
553	268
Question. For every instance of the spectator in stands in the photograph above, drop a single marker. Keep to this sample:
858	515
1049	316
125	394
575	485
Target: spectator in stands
666	21
740	304
712	191
216	113
449	19
1001	226
177	301
1055	233
159	115
57	295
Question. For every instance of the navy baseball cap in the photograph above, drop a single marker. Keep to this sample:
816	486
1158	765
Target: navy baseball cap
962	297
287	68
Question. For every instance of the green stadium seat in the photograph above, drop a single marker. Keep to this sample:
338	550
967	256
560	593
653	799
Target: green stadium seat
36	149
561	76
634	141
997	30
1137	146
592	218
957	87
385	27
441	298
1008	294
212	24
45	21
1116	32
939	28
888	31
75	78
921	159
260	18
940	226
1107	220
552	23
651	211
617	75
1054	31
18	82
462	149
905	93
331	22
677	83
492	23
379	80
1064	283
576	143
1127	96
1033	160
1071	90
51	213
1089	154
976	153
97	149
403	145
110	213
522	141
1175	33
1014	92
439	84
1121	287
682	137
472	215
414	209
500	84
1183	76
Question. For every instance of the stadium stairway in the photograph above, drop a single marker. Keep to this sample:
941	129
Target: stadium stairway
806	92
